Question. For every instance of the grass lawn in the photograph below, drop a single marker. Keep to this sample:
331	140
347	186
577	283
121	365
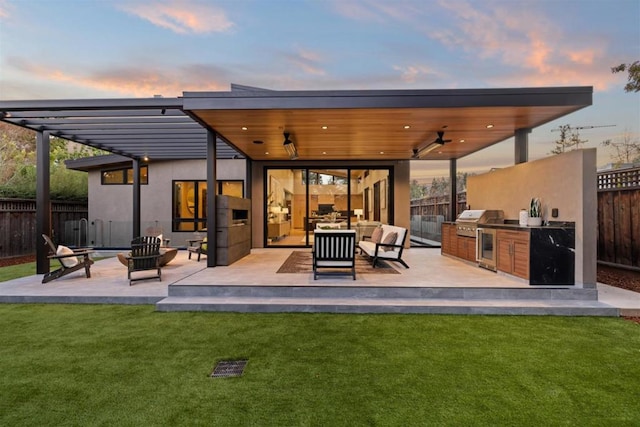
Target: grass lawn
19	270
11	272
132	366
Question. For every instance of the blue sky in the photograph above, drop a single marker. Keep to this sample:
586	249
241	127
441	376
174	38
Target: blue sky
102	49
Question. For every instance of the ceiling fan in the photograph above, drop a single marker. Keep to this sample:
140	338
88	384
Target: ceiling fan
439	139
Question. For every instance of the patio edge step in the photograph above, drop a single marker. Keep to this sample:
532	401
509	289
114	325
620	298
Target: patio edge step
392	305
388	292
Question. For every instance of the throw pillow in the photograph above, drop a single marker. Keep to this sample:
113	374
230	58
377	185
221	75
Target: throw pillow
376	235
204	245
389	239
68	262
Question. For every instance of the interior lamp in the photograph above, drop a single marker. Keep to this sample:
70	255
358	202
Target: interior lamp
358	212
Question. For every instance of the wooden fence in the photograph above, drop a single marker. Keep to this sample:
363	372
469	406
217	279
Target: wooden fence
18	225
619	217
437	205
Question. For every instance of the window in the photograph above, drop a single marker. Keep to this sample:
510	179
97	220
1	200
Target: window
190	202
124	176
189	205
231	188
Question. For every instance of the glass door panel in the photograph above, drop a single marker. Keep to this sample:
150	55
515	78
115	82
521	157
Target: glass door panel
285	207
328	200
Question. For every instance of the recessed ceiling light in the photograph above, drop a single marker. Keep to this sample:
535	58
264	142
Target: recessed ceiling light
489	126
324	152
462	140
382	152
325	127
266	152
407	127
244	128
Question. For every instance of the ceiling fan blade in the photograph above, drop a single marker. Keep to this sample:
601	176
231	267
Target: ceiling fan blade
440	139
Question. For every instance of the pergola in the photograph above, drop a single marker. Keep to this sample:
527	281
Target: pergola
323	125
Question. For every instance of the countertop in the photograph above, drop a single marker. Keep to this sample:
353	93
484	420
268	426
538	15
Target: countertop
517	226
514	225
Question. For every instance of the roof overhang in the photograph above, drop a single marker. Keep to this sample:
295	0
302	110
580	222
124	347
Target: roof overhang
378	124
324	125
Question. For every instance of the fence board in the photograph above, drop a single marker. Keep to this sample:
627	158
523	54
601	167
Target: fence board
18	224
619	217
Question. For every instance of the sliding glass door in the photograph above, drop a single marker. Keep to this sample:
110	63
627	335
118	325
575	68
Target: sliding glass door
298	201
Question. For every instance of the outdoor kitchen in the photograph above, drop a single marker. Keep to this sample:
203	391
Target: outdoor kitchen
496	236
542	255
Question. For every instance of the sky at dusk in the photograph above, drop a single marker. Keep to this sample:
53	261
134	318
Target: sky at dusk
51	49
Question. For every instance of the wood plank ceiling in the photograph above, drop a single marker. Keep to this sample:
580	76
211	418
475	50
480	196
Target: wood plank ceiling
375	125
373	134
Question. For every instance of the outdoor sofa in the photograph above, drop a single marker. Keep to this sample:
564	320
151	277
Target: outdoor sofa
386	243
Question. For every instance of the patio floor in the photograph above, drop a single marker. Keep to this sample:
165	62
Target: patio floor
109	285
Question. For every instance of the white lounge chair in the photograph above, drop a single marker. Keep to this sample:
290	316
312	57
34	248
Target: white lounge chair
389	247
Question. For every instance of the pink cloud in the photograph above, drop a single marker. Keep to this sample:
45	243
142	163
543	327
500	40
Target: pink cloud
5	9
414	73
308	61
180	16
539	53
131	81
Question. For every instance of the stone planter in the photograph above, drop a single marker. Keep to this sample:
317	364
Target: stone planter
534	222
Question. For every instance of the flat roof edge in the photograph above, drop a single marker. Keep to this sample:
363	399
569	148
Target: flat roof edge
249	91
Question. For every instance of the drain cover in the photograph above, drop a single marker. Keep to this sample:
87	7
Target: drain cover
229	368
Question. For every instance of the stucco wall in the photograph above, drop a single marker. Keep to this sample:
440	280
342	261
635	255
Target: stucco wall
566	182
110	206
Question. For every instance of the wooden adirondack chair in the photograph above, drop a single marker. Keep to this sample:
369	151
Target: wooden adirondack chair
145	255
70	260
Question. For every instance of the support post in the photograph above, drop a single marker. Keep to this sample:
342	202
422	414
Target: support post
136	199
212	205
453	194
43	201
521	148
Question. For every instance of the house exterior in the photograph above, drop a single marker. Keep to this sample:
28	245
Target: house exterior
306	154
171	197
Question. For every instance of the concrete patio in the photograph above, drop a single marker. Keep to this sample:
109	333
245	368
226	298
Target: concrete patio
433	284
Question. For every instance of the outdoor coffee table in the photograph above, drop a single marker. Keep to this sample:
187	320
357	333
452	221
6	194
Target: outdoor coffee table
168	254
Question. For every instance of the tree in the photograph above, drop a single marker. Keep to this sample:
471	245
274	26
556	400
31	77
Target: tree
440	186
418	191
567	140
626	150
18	165
633	82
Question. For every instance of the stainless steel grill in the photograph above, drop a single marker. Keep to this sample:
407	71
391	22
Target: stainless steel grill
468	220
